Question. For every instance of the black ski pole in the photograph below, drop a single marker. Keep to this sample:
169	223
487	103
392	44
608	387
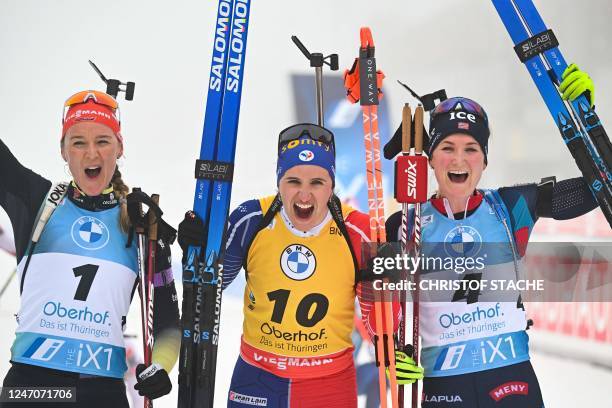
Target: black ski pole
114	86
316	61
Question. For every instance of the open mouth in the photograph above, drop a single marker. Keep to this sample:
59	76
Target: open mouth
93	172
458	176
303	211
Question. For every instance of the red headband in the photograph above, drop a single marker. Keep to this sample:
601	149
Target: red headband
91	111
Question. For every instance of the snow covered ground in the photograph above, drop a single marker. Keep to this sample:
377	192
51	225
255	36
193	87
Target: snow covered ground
565	382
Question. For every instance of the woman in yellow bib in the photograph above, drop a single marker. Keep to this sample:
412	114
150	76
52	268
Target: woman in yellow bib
301	252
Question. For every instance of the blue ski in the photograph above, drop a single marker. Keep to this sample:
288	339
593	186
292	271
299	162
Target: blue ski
530	50
202	272
588	119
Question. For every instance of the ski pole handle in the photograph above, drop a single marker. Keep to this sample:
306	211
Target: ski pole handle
411	179
406	131
418	130
152	219
134	205
406	128
422	192
150	287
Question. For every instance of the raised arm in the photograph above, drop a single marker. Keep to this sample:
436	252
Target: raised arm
21	194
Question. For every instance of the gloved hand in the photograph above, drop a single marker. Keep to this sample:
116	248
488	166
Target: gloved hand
406	369
153	381
575	82
190	232
375	266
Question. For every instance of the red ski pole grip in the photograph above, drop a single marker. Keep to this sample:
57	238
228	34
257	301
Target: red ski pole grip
411	179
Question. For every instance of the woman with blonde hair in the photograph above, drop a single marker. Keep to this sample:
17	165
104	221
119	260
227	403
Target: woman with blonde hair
78	279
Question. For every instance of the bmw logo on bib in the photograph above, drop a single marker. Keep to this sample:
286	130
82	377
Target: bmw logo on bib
298	262
462	241
90	233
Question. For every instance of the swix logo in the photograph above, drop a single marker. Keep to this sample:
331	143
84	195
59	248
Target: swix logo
238	45
218	60
150	337
509	388
57	193
442	398
412	179
281	363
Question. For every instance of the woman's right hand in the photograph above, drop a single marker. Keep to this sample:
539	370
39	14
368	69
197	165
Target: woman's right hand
575	82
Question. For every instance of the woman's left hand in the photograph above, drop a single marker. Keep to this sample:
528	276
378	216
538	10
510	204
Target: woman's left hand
407	371
191	232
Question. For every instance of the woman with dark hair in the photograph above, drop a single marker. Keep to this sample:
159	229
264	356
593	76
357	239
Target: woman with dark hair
474	343
301	253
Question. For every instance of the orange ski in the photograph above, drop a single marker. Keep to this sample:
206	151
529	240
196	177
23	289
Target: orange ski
363	83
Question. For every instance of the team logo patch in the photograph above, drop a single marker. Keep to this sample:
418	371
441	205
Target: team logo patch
462	241
248	399
251	305
442	398
306	155
298	262
90	233
509	388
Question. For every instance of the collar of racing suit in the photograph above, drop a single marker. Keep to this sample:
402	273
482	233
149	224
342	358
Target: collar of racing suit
472	204
107	199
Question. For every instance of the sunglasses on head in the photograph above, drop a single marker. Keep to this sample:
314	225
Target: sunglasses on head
314	132
460	104
98	97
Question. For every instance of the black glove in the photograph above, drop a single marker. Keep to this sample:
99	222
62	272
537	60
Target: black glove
394	145
191	232
153	381
375	266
